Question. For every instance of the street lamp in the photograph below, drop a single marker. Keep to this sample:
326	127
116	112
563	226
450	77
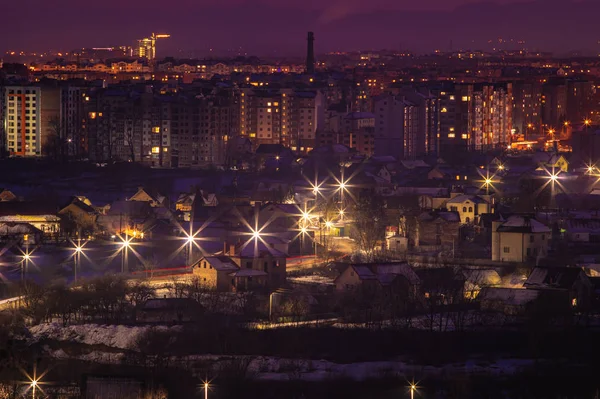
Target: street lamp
25	264
78	251
413	388
206	386
125	245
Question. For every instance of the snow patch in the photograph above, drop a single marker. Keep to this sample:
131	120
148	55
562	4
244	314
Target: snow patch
115	336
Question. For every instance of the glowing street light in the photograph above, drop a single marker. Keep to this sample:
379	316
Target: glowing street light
77	258
413	388
125	245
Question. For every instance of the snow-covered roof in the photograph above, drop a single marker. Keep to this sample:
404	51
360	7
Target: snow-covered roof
553	277
464	198
520	224
248	273
509	296
221	263
583	226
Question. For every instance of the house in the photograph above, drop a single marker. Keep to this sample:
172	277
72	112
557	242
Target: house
78	216
7	195
168	310
570	279
519	239
583	230
509	301
478	279
243	267
273	155
376	276
185	205
131	218
469	207
396	243
556	162
152	197
40	215
20	233
214	272
438	228
442	286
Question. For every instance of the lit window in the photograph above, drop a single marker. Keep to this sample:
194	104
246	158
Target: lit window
464	136
268	104
465	99
165	149
451	135
444	110
452	98
156	129
155	150
269	109
451	129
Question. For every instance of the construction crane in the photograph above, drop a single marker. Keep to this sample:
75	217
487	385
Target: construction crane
146	47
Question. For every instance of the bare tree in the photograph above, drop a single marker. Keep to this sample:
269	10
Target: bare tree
369	222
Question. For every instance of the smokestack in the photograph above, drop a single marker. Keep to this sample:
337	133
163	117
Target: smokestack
310	54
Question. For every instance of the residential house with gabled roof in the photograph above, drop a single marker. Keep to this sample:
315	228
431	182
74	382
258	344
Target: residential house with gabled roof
556	162
570	279
370	277
519	239
438	228
78	217
41	215
583	230
7	195
152	197
469	207
243	266
510	301
131	218
215	272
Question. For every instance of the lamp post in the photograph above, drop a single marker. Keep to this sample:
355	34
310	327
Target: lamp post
124	254
25	265
190	242
206	386
77	260
413	388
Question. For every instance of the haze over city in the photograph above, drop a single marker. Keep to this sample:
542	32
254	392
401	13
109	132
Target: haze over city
272	27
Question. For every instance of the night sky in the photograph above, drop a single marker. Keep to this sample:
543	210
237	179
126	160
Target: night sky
270	27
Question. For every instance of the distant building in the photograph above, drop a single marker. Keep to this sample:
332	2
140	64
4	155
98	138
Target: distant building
519	239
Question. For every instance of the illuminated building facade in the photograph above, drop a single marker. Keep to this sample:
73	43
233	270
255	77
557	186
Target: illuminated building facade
283	116
22	120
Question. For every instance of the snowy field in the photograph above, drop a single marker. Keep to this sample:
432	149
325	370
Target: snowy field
117	340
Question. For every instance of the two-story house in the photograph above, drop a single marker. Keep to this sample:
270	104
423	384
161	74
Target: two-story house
469	207
519	239
254	266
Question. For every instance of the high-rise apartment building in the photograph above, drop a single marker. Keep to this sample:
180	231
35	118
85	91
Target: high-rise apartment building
554	105
283	116
23	120
527	109
406	124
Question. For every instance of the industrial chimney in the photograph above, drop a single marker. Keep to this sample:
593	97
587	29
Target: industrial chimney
310	54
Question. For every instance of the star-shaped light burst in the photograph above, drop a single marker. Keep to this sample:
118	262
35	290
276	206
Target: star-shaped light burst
552	178
342	186
27	259
412	387
34	382
256	230
79	250
591	169
487	180
205	387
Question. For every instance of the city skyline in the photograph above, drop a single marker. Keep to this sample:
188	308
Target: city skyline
542	24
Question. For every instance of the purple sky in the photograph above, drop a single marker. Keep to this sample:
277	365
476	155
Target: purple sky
265	26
